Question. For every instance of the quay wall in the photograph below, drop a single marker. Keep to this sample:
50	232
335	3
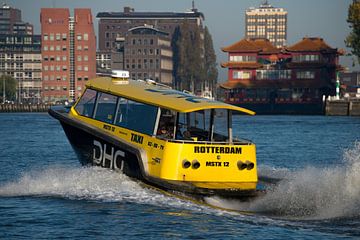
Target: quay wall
24	108
342	108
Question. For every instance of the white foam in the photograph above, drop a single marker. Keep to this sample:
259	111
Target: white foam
90	183
313	193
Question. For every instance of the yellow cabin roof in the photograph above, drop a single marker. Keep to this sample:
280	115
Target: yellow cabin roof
157	95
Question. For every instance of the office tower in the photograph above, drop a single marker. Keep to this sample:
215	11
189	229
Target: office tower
68	52
267	22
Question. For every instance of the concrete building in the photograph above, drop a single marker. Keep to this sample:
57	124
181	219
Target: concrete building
148	54
20	54
68	52
20	57
11	22
267	22
106	61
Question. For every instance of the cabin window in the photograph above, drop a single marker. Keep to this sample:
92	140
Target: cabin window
194	126
197	125
105	109
136	116
166	124
220	125
85	106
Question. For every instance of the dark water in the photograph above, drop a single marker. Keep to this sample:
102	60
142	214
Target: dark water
45	193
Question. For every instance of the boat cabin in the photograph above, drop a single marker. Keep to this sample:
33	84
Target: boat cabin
158	111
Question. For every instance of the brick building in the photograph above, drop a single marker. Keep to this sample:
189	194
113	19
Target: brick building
68	52
113	26
270	80
142	59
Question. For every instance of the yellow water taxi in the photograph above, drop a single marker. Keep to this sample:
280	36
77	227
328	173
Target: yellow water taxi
166	138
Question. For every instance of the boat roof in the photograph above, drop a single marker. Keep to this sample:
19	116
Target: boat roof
158	95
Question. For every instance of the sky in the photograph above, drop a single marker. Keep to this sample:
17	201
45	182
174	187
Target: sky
225	19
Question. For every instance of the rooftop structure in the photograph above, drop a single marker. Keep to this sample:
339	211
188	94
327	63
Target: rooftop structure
267	22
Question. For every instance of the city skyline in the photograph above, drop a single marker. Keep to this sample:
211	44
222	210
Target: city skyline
226	22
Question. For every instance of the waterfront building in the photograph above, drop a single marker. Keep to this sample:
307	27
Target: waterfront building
11	22
269	80
20	54
68	52
148	54
20	58
267	22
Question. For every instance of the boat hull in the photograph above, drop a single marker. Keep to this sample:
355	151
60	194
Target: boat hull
96	149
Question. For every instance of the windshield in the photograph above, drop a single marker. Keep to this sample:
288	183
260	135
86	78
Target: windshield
203	125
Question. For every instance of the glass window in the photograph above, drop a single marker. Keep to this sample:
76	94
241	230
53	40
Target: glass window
220	125
85	106
106	106
131	115
194	125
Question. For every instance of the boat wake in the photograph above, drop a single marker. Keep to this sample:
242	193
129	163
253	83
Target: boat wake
89	183
310	193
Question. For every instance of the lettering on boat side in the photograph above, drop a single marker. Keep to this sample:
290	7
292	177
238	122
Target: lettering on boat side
106	156
217	164
225	150
109	128
187	96
155	145
137	138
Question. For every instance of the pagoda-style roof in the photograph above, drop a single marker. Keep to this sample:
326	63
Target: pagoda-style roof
252	45
275	84
242	65
312	44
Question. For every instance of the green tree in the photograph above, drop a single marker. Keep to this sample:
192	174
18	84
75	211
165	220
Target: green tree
353	39
211	72
10	87
188	58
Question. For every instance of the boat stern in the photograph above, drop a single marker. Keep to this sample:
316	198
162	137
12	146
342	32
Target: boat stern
211	166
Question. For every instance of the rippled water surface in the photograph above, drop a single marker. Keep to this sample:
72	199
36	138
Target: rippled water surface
45	193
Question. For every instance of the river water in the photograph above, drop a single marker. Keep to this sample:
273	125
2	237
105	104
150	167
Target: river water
45	193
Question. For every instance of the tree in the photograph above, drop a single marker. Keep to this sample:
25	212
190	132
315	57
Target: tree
194	59
10	87
211	71
353	39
